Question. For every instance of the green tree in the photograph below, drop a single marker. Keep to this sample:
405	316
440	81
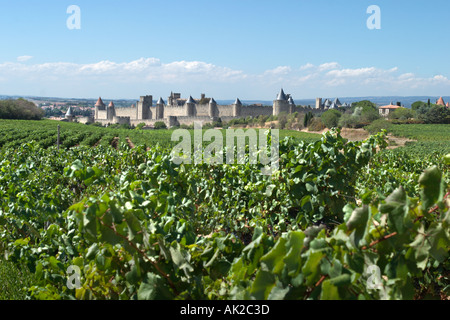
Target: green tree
418	104
330	118
366	106
436	114
401	114
160	125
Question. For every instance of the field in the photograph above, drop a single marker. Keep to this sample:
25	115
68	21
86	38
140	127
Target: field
103	218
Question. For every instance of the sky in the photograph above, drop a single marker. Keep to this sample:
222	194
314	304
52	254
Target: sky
123	49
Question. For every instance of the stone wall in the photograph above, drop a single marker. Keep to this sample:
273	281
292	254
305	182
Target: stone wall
126	112
102	115
254	111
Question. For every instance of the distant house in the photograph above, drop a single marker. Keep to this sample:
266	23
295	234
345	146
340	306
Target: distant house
385	110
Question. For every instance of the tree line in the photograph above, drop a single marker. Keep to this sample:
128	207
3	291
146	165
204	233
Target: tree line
20	109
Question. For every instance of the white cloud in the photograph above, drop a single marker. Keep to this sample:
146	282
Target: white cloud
132	78
281	70
329	66
24	58
306	66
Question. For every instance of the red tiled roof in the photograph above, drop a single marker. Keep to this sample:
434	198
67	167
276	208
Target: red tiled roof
390	107
111	104
99	103
440	102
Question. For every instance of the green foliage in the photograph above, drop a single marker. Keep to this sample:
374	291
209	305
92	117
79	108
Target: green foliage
308	119
160	125
401	114
366	106
20	109
331	118
14	280
140	126
349	121
378	126
140	227
316	124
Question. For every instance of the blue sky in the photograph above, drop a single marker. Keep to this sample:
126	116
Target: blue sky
244	48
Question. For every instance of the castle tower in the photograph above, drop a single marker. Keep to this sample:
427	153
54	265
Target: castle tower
237	105
143	107
160	109
281	104
212	108
291	105
319	103
69	115
99	106
111	111
190	107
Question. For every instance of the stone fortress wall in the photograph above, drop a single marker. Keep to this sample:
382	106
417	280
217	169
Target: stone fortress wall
179	111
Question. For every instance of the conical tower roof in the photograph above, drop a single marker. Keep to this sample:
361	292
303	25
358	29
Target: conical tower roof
111	105
333	106
291	101
69	112
160	101
190	100
237	102
337	102
440	102
281	96
327	103
212	101
100	103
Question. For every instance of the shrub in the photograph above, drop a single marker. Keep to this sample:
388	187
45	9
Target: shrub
349	121
401	114
330	118
160	125
316	125
378	125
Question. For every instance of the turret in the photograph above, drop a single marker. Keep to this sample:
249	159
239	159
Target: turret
212	108
319	103
69	115
190	107
143	107
237	105
281	104
160	109
291	105
111	111
99	106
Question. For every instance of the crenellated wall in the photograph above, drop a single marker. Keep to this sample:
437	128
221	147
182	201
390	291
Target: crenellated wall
146	112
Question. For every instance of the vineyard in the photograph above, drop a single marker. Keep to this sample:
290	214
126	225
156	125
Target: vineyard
338	220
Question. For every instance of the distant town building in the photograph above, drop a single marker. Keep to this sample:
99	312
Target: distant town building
385	110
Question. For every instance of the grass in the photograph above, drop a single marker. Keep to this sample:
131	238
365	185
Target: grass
14	280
